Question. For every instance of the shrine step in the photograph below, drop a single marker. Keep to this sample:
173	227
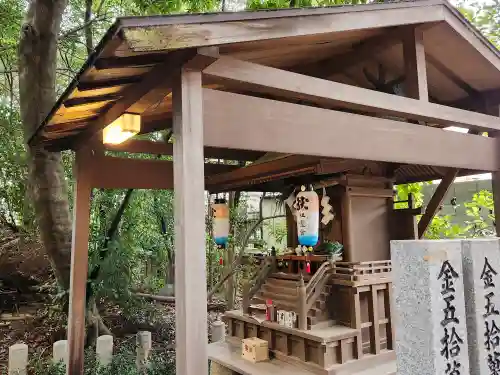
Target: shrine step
279	304
279	289
282	282
318	325
265	295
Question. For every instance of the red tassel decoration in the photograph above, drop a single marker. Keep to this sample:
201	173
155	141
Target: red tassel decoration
308	267
221	261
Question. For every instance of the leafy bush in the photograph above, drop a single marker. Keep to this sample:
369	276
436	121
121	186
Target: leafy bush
123	364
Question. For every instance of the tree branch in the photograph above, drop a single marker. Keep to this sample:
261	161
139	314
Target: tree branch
82	26
239	258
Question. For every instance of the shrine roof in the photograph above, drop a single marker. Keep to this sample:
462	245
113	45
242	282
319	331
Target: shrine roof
130	69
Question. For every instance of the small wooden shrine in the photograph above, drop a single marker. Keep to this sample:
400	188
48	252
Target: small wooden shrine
349	99
328	314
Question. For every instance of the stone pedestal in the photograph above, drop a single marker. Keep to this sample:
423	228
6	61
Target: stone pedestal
429	308
218	331
143	348
481	265
18	359
104	350
60	352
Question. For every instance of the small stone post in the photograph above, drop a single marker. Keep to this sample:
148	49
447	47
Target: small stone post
143	348
481	263
60	352
218	331
18	359
302	294
429	307
104	350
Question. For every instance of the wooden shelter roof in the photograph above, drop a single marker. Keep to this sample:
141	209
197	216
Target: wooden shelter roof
131	68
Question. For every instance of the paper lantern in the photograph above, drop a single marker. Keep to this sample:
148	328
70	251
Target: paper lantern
123	128
307	212
220	214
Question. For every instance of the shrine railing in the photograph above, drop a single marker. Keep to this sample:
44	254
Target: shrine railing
253	286
361	271
316	283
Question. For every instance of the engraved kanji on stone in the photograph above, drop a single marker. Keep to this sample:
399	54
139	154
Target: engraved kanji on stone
449	311
451	343
447	274
487	274
493	361
453	368
490	305
491	335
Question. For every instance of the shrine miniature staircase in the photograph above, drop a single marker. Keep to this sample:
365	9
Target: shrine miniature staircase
284	294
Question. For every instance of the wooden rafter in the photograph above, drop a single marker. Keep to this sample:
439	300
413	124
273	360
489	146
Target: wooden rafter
73	102
98	84
361	52
155	86
131	61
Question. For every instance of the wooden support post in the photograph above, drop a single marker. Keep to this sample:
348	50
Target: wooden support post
415	68
346	209
301	293
356	321
495	178
436	200
374	317
190	270
79	262
388	314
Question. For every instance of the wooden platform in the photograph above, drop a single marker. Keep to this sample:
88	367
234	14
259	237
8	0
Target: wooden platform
230	356
323	335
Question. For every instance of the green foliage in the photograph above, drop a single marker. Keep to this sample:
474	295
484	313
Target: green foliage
123	363
275	4
485	15
442	227
480	211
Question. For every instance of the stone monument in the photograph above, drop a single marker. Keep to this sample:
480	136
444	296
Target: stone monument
481	264
429	307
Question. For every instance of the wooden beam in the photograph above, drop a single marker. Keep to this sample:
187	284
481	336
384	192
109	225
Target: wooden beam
243	122
155	86
131	61
198	31
253	174
79	263
190	267
436	201
82	100
415	68
112	82
280	83
115	173
140	146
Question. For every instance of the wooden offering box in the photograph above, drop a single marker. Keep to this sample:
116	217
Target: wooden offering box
254	349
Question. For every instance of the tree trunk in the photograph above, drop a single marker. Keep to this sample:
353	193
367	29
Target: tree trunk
88	30
37	74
